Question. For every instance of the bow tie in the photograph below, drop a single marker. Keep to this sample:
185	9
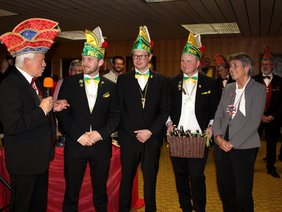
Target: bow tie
94	79
194	78
225	78
145	75
266	77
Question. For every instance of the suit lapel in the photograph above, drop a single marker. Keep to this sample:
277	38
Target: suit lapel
23	80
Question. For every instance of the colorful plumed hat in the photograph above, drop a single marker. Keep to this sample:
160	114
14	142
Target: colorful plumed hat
193	45
205	62
31	35
143	40
95	44
267	55
220	60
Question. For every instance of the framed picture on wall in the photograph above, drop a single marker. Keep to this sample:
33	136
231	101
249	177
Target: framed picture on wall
129	63
277	63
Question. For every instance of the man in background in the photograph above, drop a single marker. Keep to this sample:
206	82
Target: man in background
270	122
222	70
118	67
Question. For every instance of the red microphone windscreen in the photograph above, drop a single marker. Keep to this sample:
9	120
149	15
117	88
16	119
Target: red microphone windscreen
48	82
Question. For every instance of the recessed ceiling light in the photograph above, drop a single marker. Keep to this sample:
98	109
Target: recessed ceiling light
72	35
213	28
6	13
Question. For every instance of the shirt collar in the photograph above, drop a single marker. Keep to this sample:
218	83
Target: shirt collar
271	75
26	75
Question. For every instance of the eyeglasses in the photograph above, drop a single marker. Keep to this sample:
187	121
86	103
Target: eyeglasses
140	57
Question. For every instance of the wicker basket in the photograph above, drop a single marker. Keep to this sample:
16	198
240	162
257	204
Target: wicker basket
187	147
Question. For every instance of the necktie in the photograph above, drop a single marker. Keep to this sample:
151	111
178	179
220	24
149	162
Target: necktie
266	77
194	78
94	79
37	91
145	75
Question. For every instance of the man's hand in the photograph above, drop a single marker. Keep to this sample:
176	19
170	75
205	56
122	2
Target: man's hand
47	104
143	135
267	119
169	128
95	136
209	132
85	140
223	144
60	105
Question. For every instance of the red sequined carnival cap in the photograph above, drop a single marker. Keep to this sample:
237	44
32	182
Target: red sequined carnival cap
31	35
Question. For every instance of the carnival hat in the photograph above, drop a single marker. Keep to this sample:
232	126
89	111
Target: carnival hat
31	35
143	40
95	44
220	60
193	45
267	55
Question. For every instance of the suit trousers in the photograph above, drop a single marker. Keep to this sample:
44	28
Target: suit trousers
190	182
272	134
235	172
74	174
29	192
149	156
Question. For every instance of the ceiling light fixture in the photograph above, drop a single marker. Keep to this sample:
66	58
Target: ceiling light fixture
6	13
72	35
213	28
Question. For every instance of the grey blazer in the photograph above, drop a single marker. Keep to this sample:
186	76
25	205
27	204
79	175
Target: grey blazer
242	129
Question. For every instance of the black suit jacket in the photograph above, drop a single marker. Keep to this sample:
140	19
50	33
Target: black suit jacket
207	98
219	81
133	116
28	132
76	120
275	106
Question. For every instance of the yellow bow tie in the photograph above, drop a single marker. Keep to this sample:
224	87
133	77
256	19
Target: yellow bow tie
138	75
94	79
194	78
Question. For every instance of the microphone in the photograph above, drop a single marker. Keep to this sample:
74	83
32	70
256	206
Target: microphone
48	83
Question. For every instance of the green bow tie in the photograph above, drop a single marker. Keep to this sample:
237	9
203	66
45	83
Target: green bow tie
94	79
138	74
194	78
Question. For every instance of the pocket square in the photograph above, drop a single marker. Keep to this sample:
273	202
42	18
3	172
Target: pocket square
207	92
106	95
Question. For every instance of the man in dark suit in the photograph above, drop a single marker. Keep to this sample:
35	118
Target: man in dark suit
143	99
222	70
195	98
270	122
29	126
88	124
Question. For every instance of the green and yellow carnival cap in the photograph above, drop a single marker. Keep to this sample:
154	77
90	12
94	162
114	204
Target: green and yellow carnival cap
95	44
143	40
193	45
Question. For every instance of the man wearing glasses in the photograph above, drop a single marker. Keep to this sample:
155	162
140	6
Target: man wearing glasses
143	98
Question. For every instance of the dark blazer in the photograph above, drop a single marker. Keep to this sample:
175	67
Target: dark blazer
207	98
28	132
275	106
76	120
133	116
230	80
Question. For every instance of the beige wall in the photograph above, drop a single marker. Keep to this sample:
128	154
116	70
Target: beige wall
168	51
